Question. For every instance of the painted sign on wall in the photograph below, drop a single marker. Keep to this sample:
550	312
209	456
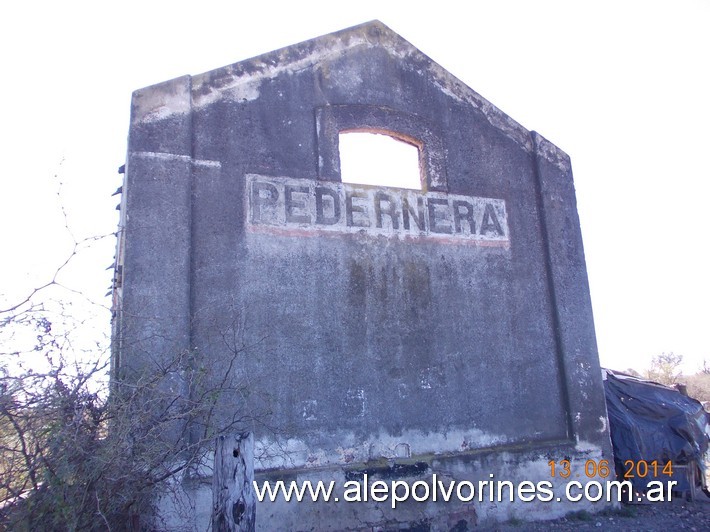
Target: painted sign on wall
304	206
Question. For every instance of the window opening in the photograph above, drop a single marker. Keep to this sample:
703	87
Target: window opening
369	158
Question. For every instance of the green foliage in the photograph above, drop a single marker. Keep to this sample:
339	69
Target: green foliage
74	458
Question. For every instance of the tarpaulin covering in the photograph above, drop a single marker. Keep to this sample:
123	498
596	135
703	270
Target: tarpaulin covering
650	422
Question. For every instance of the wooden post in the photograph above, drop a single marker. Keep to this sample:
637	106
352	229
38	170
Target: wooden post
233	498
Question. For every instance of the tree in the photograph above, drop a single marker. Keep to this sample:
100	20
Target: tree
665	368
74	456
699	386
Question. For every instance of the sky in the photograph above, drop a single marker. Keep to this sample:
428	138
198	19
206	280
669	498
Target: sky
622	86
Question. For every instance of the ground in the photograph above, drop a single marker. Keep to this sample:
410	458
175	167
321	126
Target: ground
648	517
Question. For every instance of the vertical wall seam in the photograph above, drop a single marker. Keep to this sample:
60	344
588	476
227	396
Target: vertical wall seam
191	201
191	431
555	311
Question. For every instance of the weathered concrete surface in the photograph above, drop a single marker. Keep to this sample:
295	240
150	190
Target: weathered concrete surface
450	327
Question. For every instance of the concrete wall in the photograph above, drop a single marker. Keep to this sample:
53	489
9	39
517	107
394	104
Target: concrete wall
363	326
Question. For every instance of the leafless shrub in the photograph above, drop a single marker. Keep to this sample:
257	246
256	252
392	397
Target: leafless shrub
75	457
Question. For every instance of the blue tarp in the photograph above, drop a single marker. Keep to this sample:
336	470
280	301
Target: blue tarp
651	423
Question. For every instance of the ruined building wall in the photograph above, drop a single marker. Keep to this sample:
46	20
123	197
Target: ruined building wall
449	327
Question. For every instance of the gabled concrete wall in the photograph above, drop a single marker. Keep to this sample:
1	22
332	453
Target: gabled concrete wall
449	327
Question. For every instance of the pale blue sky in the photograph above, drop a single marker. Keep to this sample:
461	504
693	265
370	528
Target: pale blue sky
621	86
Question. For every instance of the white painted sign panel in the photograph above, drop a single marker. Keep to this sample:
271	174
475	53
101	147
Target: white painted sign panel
304	206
